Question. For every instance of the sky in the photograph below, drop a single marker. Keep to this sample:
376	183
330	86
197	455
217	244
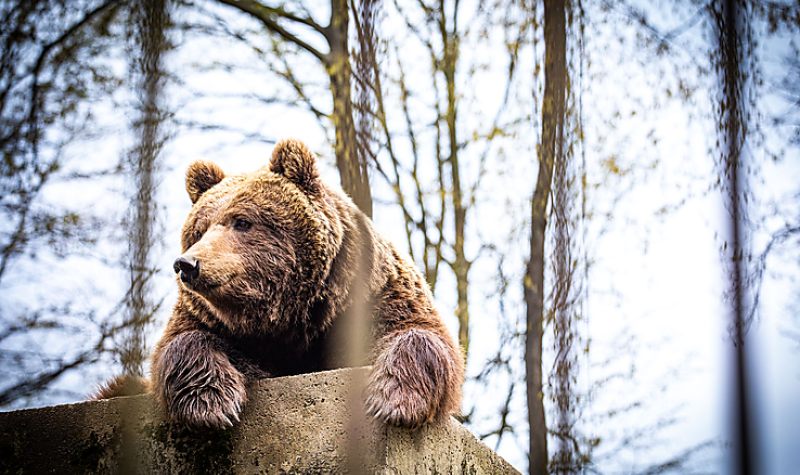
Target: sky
654	316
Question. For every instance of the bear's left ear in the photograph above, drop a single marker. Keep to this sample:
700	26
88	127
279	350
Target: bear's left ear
201	176
292	159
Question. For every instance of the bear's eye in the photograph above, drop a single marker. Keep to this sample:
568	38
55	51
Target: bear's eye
241	224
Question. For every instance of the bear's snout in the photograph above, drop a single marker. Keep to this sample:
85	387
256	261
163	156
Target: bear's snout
187	267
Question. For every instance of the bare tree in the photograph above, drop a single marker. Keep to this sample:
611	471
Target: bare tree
353	170
440	34
48	72
436	205
551	146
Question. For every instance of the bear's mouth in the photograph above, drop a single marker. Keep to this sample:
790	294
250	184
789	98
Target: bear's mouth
201	286
227	292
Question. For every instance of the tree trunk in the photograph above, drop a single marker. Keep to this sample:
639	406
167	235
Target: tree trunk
460	264
151	19
352	166
553	108
734	48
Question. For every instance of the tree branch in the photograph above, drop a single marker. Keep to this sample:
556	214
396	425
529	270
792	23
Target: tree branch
269	17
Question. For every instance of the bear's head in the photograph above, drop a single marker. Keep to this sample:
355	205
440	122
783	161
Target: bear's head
257	247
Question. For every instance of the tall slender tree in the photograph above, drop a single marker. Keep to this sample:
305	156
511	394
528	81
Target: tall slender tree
551	147
353	167
449	36
732	60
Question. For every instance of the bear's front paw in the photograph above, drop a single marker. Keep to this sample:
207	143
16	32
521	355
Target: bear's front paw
197	384
391	402
415	379
216	406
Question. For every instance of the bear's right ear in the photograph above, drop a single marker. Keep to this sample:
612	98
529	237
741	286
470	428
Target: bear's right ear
292	159
201	176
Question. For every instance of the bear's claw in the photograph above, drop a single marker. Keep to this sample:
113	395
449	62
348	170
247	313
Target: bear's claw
210	407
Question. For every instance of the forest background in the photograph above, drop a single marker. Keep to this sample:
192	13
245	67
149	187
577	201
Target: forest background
602	195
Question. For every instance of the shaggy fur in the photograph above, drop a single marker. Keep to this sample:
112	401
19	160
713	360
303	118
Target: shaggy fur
279	254
122	386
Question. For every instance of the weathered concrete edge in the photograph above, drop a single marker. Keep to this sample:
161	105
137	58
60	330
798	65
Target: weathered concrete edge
307	412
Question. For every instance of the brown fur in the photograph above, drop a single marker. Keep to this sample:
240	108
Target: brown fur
122	386
269	296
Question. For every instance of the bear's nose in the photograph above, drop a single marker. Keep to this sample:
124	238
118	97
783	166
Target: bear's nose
188	267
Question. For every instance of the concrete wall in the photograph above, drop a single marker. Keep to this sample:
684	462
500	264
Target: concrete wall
300	424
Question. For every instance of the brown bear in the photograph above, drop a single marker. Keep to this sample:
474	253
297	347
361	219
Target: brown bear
272	262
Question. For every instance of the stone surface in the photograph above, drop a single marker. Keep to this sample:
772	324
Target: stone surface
300	424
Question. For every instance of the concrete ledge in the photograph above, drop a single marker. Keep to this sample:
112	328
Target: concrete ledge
297	424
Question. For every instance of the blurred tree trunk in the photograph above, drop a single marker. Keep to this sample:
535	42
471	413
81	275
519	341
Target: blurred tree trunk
553	111
565	456
367	83
732	60
352	166
150	19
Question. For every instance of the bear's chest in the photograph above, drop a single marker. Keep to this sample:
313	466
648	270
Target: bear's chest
279	357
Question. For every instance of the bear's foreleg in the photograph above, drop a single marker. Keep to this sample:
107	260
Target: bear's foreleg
197	383
415	379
